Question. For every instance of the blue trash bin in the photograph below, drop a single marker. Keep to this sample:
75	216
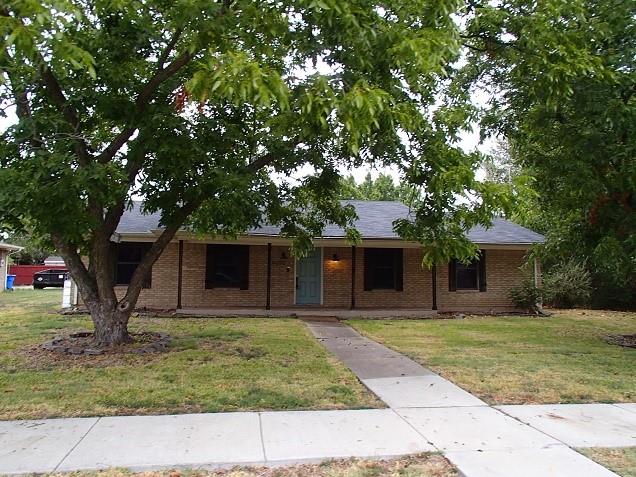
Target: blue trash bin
10	280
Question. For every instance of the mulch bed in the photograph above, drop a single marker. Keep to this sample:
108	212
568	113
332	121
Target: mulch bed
82	343
626	341
78	349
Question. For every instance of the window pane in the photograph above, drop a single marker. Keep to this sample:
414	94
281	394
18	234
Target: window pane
466	276
228	265
382	260
384	278
129	255
125	272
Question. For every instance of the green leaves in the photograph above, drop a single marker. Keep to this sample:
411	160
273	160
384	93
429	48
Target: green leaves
236	78
564	78
298	88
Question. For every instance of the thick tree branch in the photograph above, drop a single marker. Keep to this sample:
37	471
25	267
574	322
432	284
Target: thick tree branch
142	102
22	105
166	52
57	97
261	162
85	282
157	248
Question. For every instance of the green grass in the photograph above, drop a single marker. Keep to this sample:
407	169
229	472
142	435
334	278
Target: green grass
619	460
421	465
214	365
522	360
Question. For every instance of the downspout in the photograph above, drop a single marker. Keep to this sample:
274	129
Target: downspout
434	285
353	277
537	279
180	275
269	277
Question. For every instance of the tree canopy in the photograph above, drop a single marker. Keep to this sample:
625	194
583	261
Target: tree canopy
563	80
197	106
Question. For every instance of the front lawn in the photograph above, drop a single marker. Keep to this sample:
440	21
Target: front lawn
619	460
213	365
522	360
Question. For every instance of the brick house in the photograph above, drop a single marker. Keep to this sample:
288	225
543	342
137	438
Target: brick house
383	272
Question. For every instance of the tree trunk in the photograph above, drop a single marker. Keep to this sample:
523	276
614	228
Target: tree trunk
111	325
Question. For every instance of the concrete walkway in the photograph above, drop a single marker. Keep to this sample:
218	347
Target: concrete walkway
482	440
426	413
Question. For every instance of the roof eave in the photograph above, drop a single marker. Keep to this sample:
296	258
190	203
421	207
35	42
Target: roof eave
12	248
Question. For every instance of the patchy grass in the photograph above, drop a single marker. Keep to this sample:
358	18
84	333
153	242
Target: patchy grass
213	365
422	465
619	460
522	360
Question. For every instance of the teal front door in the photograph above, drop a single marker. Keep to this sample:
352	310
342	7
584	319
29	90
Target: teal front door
309	279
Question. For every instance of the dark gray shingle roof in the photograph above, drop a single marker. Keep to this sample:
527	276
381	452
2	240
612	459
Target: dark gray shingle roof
375	221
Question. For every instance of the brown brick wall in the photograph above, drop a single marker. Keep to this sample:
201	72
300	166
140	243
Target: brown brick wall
417	291
163	292
195	295
502	273
283	278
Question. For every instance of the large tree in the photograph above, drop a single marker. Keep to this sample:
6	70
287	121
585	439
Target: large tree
562	78
203	108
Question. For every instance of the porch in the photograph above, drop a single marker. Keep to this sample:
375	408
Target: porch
320	314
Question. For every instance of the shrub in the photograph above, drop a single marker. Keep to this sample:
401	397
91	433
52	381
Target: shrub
567	284
526	296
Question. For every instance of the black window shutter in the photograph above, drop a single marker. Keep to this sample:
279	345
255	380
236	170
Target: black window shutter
209	266
245	267
399	269
369	265
452	275
482	271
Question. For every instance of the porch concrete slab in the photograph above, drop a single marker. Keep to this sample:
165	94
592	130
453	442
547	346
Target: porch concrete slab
580	425
420	391
39	446
308	312
474	429
628	406
306	435
145	442
552	462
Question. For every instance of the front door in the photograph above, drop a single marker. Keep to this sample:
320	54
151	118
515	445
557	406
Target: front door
309	279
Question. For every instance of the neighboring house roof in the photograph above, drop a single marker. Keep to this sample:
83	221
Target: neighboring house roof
375	221
53	260
6	246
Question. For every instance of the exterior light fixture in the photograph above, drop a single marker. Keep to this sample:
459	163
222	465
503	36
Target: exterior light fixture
283	256
335	257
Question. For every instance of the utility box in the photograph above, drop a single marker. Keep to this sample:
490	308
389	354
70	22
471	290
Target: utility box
69	294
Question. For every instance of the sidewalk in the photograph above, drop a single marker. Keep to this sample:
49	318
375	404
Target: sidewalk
426	413
482	440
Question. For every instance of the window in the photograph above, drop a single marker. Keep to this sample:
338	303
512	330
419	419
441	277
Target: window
128	256
383	269
227	266
466	276
471	276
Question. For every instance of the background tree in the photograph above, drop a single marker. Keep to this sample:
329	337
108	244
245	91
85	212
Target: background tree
562	79
381	188
33	252
194	105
